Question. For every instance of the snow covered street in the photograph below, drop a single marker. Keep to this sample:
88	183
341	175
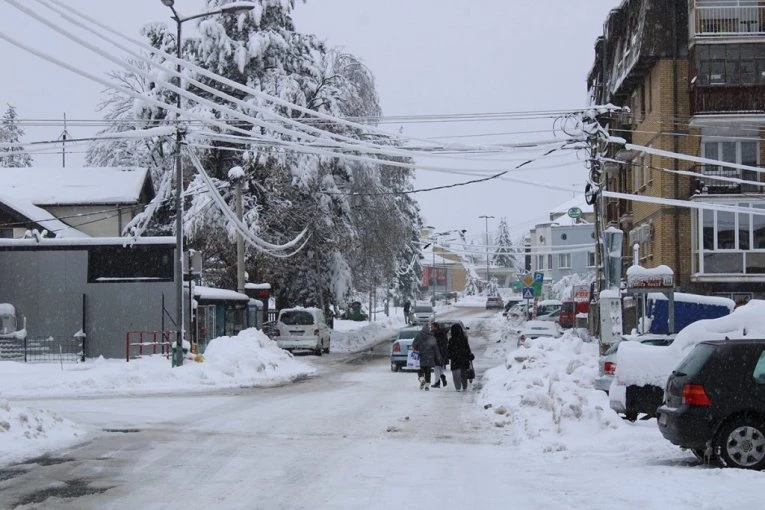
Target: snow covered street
349	433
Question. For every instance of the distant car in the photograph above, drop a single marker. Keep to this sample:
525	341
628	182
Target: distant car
547	307
494	302
607	362
422	314
302	329
552	316
714	403
401	347
448	323
535	329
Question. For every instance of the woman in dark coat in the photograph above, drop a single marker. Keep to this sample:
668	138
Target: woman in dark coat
425	344
460	356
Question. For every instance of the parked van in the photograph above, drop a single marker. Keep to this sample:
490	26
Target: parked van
302	329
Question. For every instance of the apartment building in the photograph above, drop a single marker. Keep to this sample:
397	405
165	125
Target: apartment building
692	73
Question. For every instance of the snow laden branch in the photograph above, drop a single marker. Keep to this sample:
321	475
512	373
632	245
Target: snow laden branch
274	250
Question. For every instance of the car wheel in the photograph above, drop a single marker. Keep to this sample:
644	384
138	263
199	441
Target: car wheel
631	415
319	349
741	443
394	367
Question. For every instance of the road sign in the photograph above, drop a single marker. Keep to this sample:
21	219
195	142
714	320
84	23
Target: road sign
574	212
539	276
528	293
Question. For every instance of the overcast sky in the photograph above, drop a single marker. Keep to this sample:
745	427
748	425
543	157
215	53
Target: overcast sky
429	57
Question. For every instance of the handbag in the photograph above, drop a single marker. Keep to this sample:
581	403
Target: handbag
470	372
413	360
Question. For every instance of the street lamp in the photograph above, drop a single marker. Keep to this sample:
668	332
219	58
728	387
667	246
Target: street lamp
487	248
179	21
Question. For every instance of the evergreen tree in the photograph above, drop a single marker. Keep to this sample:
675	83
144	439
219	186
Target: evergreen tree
11	133
504	252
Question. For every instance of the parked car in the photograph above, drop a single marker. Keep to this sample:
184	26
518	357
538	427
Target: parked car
518	312
302	329
552	316
607	362
714	403
567	315
422	314
535	329
510	303
546	307
401	347
494	302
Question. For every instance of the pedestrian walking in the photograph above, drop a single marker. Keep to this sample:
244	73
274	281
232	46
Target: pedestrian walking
407	307
443	346
426	346
460	355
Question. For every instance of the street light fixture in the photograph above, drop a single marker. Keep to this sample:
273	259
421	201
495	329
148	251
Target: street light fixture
179	21
488	279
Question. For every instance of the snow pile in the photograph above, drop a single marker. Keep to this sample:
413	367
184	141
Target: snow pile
545	391
356	336
23	431
642	364
248	359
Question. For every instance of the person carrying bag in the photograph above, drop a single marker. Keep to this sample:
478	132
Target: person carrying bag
461	357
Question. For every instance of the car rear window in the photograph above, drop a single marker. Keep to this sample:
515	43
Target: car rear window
423	309
408	334
296	318
695	359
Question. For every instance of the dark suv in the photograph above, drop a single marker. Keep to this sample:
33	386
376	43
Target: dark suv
714	403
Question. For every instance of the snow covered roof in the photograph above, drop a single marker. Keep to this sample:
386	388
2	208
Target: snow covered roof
73	185
577	201
40	216
203	292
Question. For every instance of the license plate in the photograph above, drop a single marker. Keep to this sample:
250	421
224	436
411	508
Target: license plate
297	333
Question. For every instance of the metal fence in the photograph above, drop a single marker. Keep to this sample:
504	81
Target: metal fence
49	349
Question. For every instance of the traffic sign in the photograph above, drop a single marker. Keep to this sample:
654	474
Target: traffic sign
539	276
528	293
574	212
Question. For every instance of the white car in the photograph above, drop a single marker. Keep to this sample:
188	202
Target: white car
535	329
421	315
302	329
607	362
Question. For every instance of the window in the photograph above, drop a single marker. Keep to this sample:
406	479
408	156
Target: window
759	369
590	259
744	152
540	261
732	242
136	263
730	64
641	172
549	261
564	260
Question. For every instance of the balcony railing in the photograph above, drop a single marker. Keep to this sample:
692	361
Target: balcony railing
706	184
727	20
712	99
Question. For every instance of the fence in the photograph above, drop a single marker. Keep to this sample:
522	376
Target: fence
140	343
43	349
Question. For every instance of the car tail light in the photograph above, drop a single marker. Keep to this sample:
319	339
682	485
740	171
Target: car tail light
695	395
396	347
609	368
316	332
522	338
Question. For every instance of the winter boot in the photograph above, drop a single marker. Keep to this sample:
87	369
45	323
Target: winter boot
443	380
436	385
423	384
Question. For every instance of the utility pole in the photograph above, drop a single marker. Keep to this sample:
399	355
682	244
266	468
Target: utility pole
488	278
64	135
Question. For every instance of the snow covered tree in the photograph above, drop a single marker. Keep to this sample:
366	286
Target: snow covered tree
504	252
11	133
361	224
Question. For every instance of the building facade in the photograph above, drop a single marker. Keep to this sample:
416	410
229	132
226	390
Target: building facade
692	73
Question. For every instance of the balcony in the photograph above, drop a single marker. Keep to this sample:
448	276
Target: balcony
727	99
717	20
710	186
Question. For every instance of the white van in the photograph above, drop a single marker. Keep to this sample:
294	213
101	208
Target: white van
302	329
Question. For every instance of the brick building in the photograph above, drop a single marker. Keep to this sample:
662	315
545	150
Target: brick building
692	73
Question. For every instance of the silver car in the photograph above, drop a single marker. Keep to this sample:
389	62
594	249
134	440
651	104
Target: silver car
421	315
607	362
